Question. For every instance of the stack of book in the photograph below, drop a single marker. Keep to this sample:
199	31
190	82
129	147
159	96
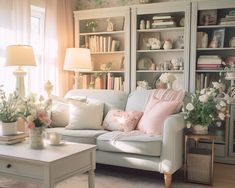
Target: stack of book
13	139
163	21
229	19
209	62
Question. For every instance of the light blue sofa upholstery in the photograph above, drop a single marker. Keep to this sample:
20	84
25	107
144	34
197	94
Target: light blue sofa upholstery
162	153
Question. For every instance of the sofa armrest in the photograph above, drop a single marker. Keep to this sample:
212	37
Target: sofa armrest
172	144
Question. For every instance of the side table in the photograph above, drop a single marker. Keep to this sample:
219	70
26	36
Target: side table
198	163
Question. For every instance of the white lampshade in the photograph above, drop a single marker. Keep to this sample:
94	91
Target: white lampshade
20	55
77	59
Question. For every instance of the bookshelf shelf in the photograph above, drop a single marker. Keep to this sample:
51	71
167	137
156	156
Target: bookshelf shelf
104	53
215	26
102	33
212	49
160	71
160	50
160	29
103	72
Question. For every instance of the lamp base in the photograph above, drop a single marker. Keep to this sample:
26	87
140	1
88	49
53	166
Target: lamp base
76	80
20	87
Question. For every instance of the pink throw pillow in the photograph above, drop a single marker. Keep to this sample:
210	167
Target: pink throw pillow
155	115
119	120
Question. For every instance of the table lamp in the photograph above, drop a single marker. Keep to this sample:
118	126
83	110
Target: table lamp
20	55
77	59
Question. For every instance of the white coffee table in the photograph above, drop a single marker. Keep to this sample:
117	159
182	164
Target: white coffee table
49	165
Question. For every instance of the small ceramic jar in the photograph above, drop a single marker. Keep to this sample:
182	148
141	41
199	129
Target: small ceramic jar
142	24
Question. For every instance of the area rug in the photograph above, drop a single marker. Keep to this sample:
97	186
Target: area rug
116	177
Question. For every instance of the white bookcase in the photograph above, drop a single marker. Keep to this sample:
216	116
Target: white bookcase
201	78
161	58
109	48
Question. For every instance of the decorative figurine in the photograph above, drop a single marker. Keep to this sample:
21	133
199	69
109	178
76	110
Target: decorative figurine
109	25
48	88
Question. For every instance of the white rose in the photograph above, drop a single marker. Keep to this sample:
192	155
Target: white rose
216	85
222	103
30	119
218	107
189	107
221	116
203	91
203	98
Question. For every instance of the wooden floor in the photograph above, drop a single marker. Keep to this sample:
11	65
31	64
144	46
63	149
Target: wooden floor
115	177
224	176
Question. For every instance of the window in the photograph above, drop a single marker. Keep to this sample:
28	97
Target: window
36	79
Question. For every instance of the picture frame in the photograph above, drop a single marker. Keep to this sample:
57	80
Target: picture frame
208	17
218	34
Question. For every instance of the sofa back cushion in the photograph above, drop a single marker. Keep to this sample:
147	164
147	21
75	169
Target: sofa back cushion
137	100
111	99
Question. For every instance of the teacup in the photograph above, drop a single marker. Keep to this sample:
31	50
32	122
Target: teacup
54	138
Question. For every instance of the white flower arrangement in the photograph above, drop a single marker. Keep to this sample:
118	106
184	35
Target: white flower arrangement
207	106
167	78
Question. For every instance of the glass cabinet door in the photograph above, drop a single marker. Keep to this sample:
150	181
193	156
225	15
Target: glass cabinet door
232	131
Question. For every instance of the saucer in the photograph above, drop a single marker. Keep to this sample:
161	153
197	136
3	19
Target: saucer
60	144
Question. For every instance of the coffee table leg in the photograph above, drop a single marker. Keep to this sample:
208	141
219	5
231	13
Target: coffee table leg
91	179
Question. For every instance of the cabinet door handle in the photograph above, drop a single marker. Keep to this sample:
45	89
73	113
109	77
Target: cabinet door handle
8	165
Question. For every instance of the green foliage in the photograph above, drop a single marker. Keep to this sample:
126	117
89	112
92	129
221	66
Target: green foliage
10	107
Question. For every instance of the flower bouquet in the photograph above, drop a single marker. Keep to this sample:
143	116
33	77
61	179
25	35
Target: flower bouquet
205	108
168	79
36	113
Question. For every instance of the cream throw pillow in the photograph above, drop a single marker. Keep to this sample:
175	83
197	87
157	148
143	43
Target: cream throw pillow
87	115
60	110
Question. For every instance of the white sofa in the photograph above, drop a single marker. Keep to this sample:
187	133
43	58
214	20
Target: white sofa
162	154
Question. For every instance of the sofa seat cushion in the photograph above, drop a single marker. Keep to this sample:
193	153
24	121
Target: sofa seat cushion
134	142
79	136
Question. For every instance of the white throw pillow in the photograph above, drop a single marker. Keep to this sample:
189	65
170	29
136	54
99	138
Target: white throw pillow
87	115
60	110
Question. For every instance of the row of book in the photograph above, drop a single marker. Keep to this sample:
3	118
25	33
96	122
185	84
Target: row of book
163	21
101	44
103	81
203	80
229	19
13	139
209	62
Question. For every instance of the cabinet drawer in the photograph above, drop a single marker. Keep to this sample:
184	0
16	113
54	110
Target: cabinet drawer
219	148
21	168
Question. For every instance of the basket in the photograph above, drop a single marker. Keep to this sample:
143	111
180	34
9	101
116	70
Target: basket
199	166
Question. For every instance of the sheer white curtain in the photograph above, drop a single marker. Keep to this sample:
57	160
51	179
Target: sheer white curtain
14	29
58	37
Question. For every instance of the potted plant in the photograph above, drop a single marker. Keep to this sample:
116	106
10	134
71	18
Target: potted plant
92	25
10	111
205	108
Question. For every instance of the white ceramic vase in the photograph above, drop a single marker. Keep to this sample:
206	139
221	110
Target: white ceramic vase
9	128
200	129
169	85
